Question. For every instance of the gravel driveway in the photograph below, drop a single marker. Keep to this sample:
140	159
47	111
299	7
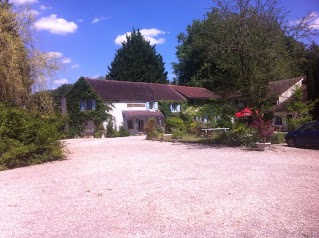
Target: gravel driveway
130	187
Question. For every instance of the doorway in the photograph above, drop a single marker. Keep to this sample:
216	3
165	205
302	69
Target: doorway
141	125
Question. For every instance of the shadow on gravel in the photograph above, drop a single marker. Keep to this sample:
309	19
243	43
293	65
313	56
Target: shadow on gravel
194	145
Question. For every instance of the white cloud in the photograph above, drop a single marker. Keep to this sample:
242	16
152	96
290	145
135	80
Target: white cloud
315	20
55	25
152	35
75	66
60	81
34	12
80	20
95	76
43	8
98	19
59	55
23	1
55	54
315	24
66	60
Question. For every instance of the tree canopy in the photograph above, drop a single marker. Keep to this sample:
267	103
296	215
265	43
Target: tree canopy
241	46
137	61
15	68
23	68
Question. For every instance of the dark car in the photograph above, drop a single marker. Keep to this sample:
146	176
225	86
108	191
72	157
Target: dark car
306	135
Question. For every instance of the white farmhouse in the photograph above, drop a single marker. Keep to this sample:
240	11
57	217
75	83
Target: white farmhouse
134	102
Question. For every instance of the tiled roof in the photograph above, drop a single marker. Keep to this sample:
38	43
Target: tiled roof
123	90
194	92
130	114
276	88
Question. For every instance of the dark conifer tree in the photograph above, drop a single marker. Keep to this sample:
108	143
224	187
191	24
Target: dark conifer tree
137	61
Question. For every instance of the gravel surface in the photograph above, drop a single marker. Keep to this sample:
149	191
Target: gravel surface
130	187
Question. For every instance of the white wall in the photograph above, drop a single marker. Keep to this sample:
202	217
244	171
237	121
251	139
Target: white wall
287	94
120	106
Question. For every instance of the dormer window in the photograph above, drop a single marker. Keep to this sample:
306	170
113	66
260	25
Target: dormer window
88	104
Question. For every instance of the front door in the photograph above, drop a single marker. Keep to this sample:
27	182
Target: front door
141	126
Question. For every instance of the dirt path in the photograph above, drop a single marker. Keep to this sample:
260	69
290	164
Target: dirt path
129	187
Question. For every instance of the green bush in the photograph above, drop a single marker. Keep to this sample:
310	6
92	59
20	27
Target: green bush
278	138
174	123
123	132
240	135
28	138
151	129
176	133
194	128
110	131
294	124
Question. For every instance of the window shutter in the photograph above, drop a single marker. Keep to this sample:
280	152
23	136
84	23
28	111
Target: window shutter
93	104
147	105
171	106
156	105
178	108
82	105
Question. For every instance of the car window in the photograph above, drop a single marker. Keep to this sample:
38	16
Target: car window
309	127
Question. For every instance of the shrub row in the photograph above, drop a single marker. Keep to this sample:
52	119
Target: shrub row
28	138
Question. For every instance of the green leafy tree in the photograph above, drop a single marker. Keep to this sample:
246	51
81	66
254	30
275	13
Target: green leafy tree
137	61
300	109
312	72
241	45
58	93
15	67
23	68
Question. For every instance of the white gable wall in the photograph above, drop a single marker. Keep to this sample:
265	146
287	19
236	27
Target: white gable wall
288	93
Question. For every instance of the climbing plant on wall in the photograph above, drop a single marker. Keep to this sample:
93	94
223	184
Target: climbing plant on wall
77	117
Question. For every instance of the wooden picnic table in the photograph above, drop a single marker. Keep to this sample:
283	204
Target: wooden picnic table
208	131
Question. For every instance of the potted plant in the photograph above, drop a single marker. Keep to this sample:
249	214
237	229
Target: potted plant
264	131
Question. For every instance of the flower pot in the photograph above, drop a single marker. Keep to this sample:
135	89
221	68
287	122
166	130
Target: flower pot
262	145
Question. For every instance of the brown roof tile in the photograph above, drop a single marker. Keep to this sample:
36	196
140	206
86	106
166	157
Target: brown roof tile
194	92
123	90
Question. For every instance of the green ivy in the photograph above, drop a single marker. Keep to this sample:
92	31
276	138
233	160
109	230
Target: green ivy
164	107
76	118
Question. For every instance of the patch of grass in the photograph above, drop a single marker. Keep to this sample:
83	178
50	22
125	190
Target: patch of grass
189	138
278	138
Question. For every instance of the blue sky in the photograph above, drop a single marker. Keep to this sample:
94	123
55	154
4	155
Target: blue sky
86	34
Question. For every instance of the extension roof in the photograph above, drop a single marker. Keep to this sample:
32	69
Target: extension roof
123	90
131	114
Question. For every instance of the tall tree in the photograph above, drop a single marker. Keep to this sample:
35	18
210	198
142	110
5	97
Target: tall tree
242	46
137	61
15	68
23	68
312	72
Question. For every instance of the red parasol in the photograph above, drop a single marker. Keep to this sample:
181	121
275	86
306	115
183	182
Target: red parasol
246	112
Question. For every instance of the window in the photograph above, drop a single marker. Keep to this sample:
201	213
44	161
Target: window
88	104
130	124
152	105
309	127
175	107
278	120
